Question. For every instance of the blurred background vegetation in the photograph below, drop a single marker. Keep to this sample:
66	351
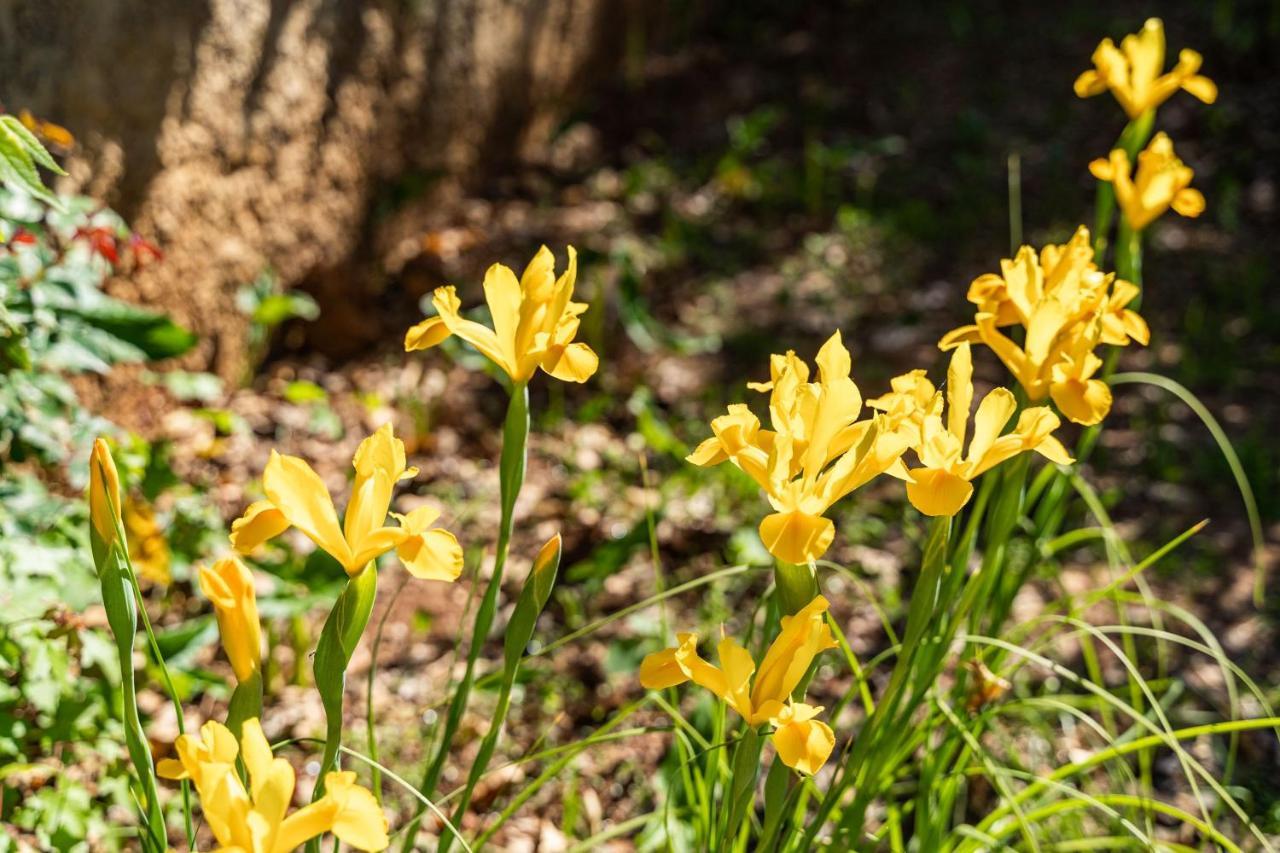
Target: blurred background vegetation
739	178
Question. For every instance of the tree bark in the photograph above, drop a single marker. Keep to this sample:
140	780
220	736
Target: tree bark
245	135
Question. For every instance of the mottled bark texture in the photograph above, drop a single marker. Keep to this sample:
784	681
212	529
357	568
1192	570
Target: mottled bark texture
247	134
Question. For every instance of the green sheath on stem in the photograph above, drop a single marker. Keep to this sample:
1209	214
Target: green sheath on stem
338	640
797	585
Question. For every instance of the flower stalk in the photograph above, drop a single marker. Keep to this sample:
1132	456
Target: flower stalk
511	470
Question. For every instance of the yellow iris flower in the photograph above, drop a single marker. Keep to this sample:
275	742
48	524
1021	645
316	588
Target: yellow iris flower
229	587
817	452
1133	72
297	497
1067	307
803	743
256	820
1161	181
942	484
534	322
148	549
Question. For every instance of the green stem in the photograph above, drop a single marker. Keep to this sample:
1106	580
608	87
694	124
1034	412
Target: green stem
871	761
742	785
120	603
123	564
511	467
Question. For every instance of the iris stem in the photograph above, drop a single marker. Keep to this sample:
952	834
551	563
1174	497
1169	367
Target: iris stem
511	468
742	784
874	756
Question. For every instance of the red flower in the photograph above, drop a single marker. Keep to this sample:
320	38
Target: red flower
102	241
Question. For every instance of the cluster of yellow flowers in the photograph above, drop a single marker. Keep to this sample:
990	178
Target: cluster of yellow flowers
1132	73
1066	307
256	819
823	442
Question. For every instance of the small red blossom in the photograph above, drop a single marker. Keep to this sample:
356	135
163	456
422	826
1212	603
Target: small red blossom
102	241
23	237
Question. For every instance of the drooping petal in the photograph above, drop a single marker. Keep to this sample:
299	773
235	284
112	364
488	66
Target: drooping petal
260	522
429	333
481	337
358	819
804	746
1201	87
577	362
432	555
1084	401
1089	83
299	493
797	537
1188	202
935	491
661	670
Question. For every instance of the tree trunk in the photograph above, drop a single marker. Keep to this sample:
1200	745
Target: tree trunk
245	135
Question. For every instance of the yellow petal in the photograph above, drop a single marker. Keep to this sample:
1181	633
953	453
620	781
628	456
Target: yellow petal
802	638
448	305
1089	83
709	452
934	491
260	522
956	337
1189	202
1101	169
380	450
171	768
229	587
1201	87
575	363
960	391
299	493
805	745
271	779
366	518
432	555
502	292
661	670
1136	327
358	819
737	668
797	537
1083	401
993	413
429	333
419	519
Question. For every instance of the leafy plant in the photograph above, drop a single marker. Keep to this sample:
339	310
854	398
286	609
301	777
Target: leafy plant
56	321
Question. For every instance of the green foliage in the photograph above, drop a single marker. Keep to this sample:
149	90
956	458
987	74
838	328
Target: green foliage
55	321
268	306
62	762
20	154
